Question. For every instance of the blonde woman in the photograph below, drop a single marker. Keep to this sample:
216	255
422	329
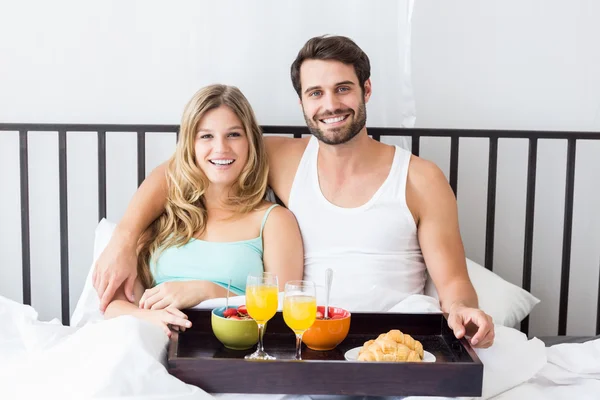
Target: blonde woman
217	224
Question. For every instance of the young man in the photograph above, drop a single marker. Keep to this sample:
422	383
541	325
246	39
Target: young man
377	215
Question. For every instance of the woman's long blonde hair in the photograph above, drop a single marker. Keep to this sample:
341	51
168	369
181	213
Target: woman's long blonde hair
185	212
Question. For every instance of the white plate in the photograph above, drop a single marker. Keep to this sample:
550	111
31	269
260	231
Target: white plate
352	355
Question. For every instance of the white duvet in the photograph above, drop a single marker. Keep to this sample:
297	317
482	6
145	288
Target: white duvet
123	358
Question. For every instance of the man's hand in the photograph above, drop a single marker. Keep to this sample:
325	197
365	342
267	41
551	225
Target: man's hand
116	264
178	294
472	322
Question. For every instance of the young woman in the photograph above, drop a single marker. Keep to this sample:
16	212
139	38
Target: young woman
217	224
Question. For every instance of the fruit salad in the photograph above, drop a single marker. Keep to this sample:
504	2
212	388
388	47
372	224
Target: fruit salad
332	315
240	313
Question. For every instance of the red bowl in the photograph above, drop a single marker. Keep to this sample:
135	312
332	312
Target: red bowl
326	334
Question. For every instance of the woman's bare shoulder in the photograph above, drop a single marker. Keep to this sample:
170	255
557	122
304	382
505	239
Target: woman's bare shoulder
279	216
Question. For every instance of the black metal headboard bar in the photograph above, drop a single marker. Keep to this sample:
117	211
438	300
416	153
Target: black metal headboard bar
300	130
297	131
141	156
415	144
491	204
25	253
454	146
101	175
529	213
64	224
567	235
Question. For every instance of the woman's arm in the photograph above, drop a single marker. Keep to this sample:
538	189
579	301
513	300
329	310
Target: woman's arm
118	262
282	243
180	294
163	318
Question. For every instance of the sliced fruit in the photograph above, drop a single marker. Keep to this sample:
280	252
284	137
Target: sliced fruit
230	312
242	310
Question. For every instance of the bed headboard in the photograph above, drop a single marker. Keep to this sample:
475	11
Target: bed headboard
572	139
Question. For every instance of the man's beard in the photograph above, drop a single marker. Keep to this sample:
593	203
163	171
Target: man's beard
342	134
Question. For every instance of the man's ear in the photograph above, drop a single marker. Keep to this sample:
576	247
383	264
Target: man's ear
367	90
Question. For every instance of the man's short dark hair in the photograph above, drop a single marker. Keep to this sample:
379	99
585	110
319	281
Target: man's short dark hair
336	48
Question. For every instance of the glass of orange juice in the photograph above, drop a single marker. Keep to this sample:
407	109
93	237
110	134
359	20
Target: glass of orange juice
261	301
299	309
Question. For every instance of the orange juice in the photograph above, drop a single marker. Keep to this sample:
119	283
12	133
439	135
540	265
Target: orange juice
261	302
299	312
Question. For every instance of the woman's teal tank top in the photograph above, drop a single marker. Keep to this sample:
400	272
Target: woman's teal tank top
216	262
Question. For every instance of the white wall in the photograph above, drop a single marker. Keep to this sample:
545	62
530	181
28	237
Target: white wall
140	62
495	64
518	65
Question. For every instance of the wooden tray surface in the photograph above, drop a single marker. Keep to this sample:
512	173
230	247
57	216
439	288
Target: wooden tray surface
198	358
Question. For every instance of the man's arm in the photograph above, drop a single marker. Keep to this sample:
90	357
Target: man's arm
118	261
439	235
434	206
284	157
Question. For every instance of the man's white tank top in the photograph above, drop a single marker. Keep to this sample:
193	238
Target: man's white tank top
373	249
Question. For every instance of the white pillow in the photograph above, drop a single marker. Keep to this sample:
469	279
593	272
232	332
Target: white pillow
88	305
506	303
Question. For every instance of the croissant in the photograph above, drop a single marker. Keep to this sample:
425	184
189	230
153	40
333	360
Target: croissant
407	340
393	346
384	345
376	355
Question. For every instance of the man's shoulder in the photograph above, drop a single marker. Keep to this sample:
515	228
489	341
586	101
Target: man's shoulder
423	174
278	144
284	151
284	157
426	188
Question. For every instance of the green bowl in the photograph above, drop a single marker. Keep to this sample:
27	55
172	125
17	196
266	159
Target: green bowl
234	334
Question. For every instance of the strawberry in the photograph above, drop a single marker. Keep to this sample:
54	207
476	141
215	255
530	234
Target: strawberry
230	312
242	310
234	317
319	315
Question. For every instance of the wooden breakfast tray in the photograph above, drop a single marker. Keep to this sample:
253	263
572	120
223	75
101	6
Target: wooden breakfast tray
198	358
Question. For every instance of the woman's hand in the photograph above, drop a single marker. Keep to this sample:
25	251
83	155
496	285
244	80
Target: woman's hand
166	318
178	294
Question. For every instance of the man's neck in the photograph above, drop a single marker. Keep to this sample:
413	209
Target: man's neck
343	160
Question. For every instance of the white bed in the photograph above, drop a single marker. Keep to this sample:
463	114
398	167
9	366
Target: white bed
124	357
121	358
